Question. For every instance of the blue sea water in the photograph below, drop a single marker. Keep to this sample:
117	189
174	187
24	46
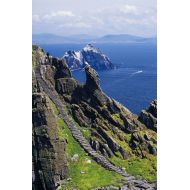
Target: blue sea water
134	83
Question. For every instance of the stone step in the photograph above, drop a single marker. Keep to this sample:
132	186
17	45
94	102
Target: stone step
77	134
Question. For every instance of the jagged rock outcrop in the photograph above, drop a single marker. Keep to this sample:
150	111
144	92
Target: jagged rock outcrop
106	119
149	116
92	78
89	55
103	116
50	164
49	158
113	129
62	70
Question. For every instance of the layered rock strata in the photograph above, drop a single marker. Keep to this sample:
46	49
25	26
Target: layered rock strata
149	116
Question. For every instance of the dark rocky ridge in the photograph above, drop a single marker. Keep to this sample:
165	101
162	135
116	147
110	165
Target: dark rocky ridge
149	116
108	122
50	165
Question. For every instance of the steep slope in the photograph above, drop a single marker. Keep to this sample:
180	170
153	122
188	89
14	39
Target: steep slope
106	130
109	123
50	165
49	159
89	55
149	116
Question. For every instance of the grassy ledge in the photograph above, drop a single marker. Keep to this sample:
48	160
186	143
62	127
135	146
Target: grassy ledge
83	175
141	168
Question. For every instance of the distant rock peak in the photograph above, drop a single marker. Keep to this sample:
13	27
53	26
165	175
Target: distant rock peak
90	47
89	55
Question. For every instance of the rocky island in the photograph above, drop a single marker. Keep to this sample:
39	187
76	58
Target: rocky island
83	139
89	55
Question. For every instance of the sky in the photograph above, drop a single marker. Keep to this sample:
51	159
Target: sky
95	17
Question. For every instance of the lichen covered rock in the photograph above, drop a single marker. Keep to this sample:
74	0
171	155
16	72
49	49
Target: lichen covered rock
149	116
49	158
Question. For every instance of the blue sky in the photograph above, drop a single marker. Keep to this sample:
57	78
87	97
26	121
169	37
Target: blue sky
98	17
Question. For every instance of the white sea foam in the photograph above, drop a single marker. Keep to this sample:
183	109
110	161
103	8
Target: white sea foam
137	72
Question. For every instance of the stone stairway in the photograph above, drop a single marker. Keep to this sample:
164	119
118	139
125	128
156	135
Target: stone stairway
77	134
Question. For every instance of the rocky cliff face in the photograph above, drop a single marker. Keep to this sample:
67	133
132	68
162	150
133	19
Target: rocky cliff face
49	159
149	116
89	55
50	165
110	128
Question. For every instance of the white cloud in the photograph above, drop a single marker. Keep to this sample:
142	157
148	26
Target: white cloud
36	18
58	14
97	17
63	13
97	21
129	9
82	25
76	25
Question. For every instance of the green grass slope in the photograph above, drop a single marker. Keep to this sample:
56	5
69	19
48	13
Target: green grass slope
83	175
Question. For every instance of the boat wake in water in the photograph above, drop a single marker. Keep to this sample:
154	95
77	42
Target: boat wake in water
137	72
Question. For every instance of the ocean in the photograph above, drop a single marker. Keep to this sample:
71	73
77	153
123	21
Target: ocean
134	82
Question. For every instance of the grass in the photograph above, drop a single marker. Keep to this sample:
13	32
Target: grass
141	168
86	132
36	54
94	175
34	59
117	118
145	168
123	144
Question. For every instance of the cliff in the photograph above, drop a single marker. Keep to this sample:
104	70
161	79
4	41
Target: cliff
115	138
149	116
49	158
